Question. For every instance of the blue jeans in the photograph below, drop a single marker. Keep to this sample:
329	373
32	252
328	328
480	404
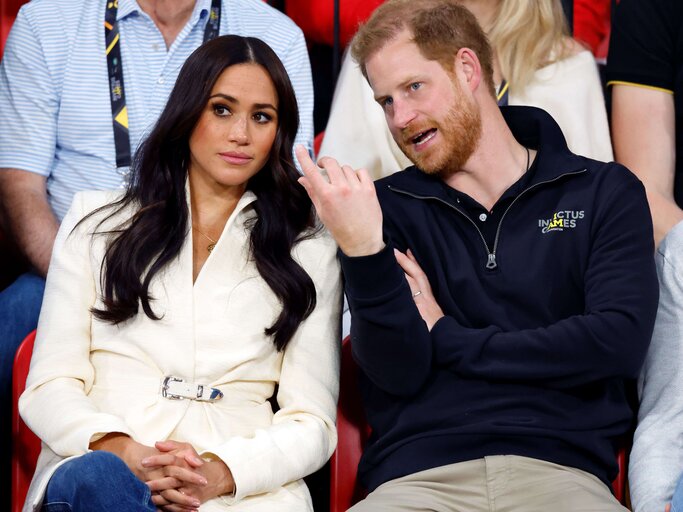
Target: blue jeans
19	308
95	482
677	500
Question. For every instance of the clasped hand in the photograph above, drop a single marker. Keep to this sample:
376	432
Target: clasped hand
185	480
179	479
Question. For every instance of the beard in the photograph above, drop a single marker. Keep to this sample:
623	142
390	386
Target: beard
460	131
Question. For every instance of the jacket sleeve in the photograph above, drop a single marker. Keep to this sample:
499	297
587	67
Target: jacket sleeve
390	341
303	434
55	404
608	340
656	461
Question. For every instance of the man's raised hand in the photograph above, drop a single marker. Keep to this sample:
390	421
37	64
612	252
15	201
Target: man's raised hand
346	203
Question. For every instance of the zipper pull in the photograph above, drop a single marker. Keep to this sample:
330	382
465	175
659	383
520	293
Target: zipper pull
491	263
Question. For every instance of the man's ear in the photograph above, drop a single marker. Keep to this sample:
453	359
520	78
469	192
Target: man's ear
468	68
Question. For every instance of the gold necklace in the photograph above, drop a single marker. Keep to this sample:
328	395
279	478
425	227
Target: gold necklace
213	242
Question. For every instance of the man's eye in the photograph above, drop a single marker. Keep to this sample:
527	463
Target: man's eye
415	85
387	102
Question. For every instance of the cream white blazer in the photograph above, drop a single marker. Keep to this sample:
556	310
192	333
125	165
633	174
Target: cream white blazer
89	378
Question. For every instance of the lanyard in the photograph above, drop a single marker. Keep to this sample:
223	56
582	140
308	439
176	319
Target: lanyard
117	94
502	95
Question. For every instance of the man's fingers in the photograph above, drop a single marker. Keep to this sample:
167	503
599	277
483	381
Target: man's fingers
333	169
350	175
363	176
307	165
412	284
409	266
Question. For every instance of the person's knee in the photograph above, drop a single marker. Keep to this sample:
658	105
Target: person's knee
89	473
92	482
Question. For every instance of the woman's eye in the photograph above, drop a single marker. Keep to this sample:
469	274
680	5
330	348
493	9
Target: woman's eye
221	110
262	117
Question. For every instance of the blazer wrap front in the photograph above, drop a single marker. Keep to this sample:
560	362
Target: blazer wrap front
89	378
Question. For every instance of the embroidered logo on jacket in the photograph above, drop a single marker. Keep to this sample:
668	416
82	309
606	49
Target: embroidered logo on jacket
560	221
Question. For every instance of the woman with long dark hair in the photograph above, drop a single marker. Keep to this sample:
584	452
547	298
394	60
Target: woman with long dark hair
174	312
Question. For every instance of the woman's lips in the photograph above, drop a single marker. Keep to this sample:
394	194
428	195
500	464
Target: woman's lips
235	157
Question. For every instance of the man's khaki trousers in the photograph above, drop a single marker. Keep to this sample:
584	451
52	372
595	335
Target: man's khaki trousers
502	483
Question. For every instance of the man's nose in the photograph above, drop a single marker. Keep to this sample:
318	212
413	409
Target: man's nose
403	114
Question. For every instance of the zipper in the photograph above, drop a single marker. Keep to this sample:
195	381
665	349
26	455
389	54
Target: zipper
398	190
491	254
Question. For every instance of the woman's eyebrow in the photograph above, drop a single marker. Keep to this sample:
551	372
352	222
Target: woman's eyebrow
226	97
232	99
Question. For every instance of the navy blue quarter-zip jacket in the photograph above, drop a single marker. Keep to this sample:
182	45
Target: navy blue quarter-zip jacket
545	328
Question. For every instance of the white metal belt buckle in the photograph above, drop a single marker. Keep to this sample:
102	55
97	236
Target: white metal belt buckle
175	388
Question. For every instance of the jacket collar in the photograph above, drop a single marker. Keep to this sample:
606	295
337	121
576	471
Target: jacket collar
532	127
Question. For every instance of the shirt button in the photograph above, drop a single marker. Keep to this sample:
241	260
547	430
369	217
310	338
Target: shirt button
161	80
482	217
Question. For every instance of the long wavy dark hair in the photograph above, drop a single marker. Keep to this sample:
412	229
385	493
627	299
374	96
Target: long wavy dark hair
148	241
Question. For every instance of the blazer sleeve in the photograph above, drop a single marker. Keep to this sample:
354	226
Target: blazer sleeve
55	404
303	435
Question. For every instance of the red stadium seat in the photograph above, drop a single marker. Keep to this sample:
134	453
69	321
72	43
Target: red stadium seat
353	433
25	444
8	11
316	18
317	142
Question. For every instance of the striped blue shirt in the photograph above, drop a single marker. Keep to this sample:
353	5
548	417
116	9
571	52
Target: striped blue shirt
55	113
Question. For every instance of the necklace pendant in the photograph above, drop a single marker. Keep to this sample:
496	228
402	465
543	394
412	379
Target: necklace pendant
210	247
